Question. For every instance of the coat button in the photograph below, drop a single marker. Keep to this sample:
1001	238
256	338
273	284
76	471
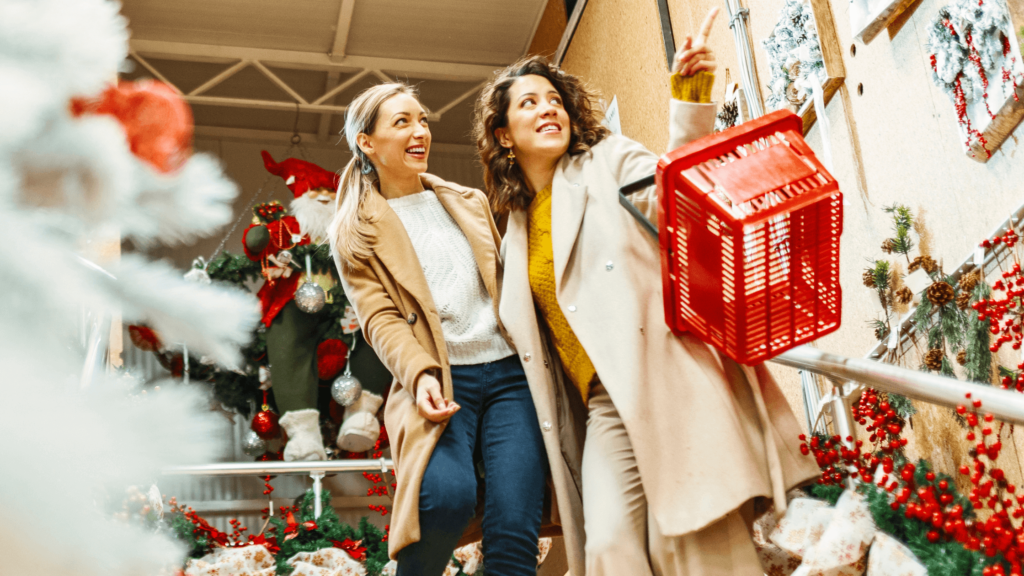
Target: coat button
609	265
526	357
412	318
546	363
546	426
572	308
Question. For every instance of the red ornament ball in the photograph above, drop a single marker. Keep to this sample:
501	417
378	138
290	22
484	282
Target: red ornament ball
265	425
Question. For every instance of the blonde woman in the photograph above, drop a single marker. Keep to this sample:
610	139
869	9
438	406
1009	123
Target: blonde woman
679	439
418	258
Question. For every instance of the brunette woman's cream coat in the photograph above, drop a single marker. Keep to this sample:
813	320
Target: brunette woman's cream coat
396	311
708	433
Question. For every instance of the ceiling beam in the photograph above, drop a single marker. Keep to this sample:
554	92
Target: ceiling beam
329	97
309	140
274	105
424	69
341	30
224	75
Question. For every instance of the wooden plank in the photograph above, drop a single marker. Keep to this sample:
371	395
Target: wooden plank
869	17
666	31
832	57
570	30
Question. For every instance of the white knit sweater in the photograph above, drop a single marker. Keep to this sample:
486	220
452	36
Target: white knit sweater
467	314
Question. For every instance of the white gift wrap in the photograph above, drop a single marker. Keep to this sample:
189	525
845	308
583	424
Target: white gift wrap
326	562
889	557
842	547
245	561
472	557
803	525
774	560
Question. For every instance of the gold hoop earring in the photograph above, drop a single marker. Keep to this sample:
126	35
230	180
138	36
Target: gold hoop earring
511	156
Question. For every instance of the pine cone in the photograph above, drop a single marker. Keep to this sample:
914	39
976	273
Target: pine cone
968	282
904	295
913	266
887	246
933	359
961	357
963	301
929	264
940	293
880	332
869	278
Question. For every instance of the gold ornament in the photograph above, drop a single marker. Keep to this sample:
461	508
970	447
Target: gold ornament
869	278
961	357
940	293
933	359
904	295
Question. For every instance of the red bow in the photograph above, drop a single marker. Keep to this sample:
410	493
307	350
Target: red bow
354	549
292	529
269	543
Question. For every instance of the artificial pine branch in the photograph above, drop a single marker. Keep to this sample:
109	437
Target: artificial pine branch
978	367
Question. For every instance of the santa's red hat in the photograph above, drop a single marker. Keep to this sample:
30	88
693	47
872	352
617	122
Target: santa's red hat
299	175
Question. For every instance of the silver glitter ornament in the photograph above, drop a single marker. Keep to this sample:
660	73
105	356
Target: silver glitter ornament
310	298
252	444
346	389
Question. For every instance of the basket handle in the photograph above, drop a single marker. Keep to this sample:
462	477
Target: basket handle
632	188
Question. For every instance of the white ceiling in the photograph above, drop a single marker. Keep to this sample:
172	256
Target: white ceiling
246	66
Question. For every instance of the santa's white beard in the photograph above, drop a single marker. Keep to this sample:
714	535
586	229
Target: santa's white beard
313	216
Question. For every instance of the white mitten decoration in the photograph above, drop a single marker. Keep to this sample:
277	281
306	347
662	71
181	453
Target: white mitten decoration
360	428
304	441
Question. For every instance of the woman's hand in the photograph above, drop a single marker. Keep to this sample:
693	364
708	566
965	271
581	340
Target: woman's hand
695	55
431	402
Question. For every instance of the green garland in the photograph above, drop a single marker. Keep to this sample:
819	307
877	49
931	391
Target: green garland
329	528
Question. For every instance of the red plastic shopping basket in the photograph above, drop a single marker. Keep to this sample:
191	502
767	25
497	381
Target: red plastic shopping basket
750	226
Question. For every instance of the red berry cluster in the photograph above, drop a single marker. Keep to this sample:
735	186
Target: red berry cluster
1003	312
380	487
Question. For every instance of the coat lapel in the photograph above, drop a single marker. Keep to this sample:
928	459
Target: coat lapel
568	203
391	243
517	312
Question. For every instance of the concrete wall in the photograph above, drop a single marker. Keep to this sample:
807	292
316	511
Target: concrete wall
908	138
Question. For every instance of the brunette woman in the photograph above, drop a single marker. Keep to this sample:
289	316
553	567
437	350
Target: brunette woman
679	438
418	258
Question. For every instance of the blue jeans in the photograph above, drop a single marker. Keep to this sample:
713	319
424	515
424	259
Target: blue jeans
497	425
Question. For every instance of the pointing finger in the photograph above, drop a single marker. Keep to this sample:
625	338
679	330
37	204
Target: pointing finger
705	28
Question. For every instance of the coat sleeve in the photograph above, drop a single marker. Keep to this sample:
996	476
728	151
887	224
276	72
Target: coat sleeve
630	161
384	327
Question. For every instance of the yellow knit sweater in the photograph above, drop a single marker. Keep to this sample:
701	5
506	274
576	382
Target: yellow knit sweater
577	365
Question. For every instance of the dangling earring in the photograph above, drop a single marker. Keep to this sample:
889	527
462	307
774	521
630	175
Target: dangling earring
511	156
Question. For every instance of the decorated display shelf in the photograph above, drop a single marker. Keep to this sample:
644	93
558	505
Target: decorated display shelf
869	17
976	60
803	48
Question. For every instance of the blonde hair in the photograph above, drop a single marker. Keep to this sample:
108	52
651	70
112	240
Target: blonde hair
348	231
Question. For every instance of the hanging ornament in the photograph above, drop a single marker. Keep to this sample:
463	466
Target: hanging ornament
285	257
264	423
310	297
252	444
346	388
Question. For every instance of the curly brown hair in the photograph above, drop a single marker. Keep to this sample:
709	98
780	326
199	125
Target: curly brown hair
506	185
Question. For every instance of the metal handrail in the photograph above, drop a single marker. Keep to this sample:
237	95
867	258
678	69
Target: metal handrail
281	468
942	390
315	470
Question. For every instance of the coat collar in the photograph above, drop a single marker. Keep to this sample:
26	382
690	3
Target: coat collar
391	243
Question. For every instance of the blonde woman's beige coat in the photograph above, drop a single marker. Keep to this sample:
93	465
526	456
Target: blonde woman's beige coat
708	433
399	319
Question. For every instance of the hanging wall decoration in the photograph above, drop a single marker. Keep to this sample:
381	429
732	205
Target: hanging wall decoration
976	61
803	51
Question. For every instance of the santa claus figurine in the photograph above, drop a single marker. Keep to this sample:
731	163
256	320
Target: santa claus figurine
292	334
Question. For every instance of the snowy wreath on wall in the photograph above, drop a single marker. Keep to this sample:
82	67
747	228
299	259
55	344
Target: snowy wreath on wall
794	55
975	62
